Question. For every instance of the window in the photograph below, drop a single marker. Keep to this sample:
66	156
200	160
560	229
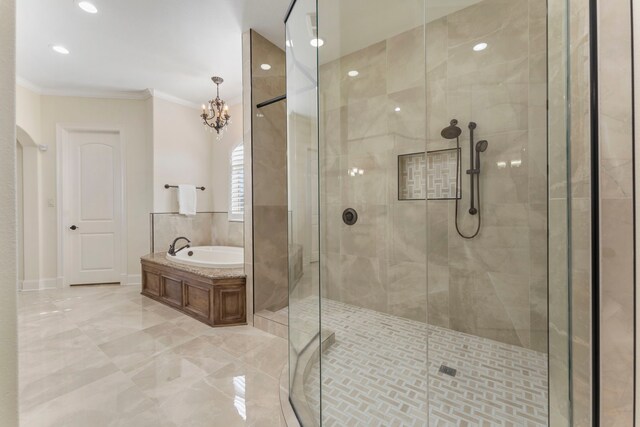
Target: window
236	202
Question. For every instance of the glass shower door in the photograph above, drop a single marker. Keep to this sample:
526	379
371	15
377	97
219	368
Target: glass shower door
373	242
302	168
439	294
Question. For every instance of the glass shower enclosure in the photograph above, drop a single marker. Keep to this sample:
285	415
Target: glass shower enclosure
428	196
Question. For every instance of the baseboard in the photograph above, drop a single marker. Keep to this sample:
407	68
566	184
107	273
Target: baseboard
49	283
30	285
132	280
37	285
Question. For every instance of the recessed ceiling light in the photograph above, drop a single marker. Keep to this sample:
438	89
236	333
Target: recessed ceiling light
397	109
316	42
353	73
480	46
265	67
60	49
88	7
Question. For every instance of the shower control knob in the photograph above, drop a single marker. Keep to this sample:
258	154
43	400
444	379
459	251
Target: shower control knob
74	227
350	216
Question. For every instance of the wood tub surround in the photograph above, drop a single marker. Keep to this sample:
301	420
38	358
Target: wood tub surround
214	296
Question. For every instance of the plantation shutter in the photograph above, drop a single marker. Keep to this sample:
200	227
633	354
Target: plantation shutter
236	208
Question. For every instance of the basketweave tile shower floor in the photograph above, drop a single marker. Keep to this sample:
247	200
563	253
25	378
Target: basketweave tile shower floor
375	374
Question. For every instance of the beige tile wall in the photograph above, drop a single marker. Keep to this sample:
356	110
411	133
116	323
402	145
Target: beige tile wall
268	194
580	213
495	285
203	229
616	213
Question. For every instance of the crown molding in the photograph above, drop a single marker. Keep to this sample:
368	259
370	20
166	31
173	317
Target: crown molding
168	97
113	94
84	93
28	85
133	95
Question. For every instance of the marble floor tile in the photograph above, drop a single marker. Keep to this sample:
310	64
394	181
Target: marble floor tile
240	340
105	356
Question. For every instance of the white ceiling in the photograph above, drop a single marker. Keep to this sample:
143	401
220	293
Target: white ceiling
170	46
174	47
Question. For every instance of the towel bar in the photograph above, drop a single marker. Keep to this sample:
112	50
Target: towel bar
175	186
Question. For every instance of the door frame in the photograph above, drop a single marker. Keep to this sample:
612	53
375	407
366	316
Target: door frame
62	142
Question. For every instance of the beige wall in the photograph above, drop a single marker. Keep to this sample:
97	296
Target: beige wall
182	149
29	112
131	117
164	143
8	262
220	158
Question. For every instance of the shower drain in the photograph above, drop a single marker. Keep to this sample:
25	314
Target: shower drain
448	371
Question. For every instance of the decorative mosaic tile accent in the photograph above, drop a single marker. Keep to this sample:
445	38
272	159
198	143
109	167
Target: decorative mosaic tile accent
442	169
412	177
376	374
433	176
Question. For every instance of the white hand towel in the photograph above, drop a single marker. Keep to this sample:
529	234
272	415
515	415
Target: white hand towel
187	199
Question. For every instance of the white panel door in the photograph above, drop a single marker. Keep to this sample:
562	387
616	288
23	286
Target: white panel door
93	207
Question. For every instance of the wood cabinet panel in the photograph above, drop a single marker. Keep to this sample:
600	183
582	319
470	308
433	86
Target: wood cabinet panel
151	283
217	302
198	300
229	304
171	290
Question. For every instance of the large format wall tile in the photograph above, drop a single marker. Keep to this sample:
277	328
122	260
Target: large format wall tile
617	257
203	229
407	261
268	176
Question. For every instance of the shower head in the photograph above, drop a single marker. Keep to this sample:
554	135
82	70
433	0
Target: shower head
452	131
482	146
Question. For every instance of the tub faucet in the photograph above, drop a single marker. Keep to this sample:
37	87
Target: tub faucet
172	247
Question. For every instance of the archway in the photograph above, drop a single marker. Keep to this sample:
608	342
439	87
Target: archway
27	166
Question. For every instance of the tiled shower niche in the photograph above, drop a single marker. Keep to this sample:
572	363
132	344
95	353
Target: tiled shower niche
433	176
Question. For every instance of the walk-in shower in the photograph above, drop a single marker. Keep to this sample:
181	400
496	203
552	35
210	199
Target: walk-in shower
428	295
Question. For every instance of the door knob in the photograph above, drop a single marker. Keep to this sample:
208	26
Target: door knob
74	227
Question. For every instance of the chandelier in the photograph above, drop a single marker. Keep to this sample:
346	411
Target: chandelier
216	116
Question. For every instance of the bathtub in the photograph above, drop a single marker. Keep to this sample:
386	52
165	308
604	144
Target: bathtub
210	256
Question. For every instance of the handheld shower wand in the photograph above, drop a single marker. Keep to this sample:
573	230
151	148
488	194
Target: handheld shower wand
453	132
